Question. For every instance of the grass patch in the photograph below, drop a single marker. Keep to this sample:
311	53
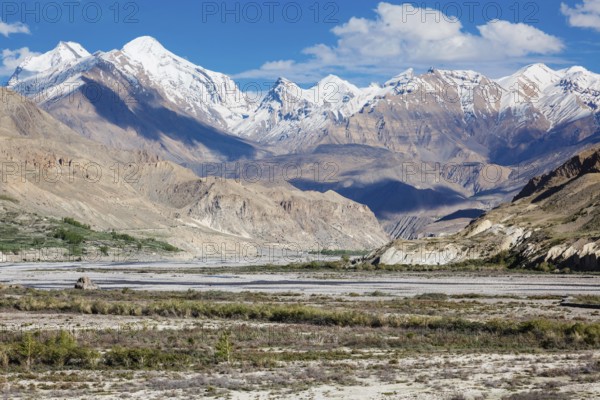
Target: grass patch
535	333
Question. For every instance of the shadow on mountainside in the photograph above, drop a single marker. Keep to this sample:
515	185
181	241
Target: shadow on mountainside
387	196
151	121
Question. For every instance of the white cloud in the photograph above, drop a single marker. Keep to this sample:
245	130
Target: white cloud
403	36
11	59
9	29
584	15
298	72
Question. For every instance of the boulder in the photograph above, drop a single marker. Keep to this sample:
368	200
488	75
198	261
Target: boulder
85	283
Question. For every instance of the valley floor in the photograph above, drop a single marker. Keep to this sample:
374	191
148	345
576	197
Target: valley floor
186	331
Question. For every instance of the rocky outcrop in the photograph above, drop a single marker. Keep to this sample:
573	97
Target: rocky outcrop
581	255
587	162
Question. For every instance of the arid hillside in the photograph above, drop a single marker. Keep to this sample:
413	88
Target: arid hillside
53	171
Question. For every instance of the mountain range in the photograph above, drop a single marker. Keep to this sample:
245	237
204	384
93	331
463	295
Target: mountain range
424	151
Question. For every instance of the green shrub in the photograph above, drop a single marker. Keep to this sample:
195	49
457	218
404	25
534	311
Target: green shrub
28	350
69	236
123	236
57	351
170	248
432	296
73	222
63	350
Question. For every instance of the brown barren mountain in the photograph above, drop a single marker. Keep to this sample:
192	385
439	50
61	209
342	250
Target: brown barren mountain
53	171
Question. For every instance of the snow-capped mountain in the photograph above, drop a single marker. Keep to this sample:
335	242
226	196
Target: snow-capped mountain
194	89
144	61
52	74
288	111
284	107
141	96
63	56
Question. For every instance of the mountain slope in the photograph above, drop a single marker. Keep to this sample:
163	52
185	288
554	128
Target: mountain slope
553	222
53	171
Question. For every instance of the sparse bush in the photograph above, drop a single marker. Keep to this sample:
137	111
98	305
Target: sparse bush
57	351
224	347
538	395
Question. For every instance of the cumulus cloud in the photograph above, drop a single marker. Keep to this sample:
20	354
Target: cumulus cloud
583	15
9	29
402	36
11	59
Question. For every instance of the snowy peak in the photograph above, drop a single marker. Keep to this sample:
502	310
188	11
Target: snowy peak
149	54
575	70
334	91
539	76
144	46
71	50
559	96
37	74
282	82
167	67
286	92
337	81
401	79
538	71
65	53
198	91
580	77
209	96
330	92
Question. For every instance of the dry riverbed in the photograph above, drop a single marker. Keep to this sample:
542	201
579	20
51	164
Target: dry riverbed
177	276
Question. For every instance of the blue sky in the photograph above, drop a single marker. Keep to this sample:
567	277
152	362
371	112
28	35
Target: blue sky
360	40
